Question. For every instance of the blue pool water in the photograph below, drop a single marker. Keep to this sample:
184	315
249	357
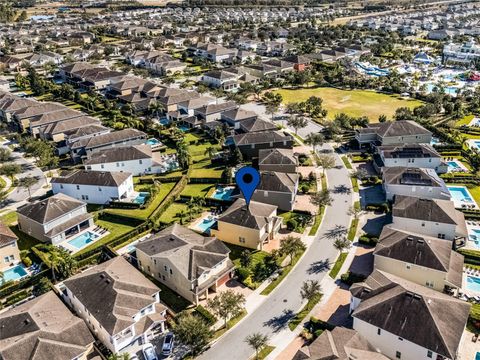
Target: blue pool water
164	121
14	273
141	197
474	235
460	194
473	284
206	224
221	193
184	128
83	240
434	141
477	357
453	165
477	144
152	141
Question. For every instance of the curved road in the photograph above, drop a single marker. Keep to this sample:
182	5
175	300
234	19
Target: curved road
272	315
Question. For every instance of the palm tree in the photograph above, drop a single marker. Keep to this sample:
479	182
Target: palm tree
156	108
210	151
315	139
257	341
341	244
310	290
291	246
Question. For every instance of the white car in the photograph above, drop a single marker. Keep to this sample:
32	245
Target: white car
167	346
149	352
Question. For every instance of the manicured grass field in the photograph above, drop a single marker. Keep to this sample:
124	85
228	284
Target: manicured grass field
465	120
205	169
351	102
143	214
197	189
171	214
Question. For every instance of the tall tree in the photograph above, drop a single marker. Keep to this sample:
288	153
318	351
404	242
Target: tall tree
291	246
327	162
227	304
315	139
321	198
310	289
27	182
297	122
10	170
257	342
193	332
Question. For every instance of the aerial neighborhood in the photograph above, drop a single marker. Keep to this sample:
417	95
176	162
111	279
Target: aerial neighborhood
127	233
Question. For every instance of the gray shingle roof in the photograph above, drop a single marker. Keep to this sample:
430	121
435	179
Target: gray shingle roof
276	157
442	211
6	235
51	208
407	310
255	216
113	292
42	329
94	178
277	181
124	153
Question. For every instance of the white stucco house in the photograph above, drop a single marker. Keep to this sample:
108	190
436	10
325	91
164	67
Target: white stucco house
430	217
119	305
54	219
95	187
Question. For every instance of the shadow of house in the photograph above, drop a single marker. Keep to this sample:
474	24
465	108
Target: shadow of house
374	225
362	264
372	195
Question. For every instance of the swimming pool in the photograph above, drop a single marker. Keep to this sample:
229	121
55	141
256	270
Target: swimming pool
460	196
473	284
153	142
452	165
14	273
434	141
83	240
474	235
222	193
477	357
141	198
206	224
183	128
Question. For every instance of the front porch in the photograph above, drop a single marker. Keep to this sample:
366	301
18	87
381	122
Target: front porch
210	289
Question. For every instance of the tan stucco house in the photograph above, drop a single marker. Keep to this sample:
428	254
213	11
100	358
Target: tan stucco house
9	253
250	227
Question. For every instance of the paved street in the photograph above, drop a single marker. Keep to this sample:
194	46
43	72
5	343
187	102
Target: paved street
28	170
272	316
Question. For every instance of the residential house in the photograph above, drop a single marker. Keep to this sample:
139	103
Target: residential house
119	305
54	219
95	187
136	159
413	156
421	259
393	133
424	183
237	115
431	217
339	344
44	328
248	226
88	145
466	54
188	263
251	143
280	160
9	253
393	314
213	112
276	188
223	79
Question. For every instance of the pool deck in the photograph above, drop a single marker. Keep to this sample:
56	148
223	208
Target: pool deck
194	224
460	204
470	244
72	249
461	167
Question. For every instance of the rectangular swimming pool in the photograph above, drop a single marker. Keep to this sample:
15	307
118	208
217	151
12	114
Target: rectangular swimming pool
473	284
83	240
141	198
14	273
460	196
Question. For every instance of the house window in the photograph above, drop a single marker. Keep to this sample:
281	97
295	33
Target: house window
99	189
165	267
155	261
148	267
429	354
379	331
398	355
78	187
102	166
61	186
399	338
241	239
429	283
163	277
118	164
171	272
265	193
441	236
408	267
423	224
5	259
140	161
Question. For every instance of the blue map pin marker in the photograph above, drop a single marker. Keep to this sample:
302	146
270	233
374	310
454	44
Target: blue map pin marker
247	179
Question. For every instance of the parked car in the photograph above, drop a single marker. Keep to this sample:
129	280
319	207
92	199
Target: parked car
149	352
167	346
134	357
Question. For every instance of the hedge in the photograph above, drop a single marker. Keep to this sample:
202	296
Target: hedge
471	256
368	240
10	288
206	315
16	297
169	199
350	278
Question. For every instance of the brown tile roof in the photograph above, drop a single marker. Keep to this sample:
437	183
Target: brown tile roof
7	236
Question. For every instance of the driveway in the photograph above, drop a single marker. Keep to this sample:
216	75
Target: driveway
28	170
272	316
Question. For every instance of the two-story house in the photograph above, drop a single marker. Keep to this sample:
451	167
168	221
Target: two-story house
430	217
190	264
415	155
421	259
393	133
281	160
54	219
44	328
9	253
118	303
276	188
424	183
95	187
251	143
404	320
248	226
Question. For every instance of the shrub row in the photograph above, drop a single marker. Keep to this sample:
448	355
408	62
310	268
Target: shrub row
169	199
206	315
378	207
471	256
16	297
11	287
350	278
368	239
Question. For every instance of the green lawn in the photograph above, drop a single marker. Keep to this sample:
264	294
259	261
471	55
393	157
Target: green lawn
230	323
465	120
298	318
346	162
25	242
353	230
300	218
197	190
338	264
205	169
351	102
9	218
171	213
143	214
265	352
